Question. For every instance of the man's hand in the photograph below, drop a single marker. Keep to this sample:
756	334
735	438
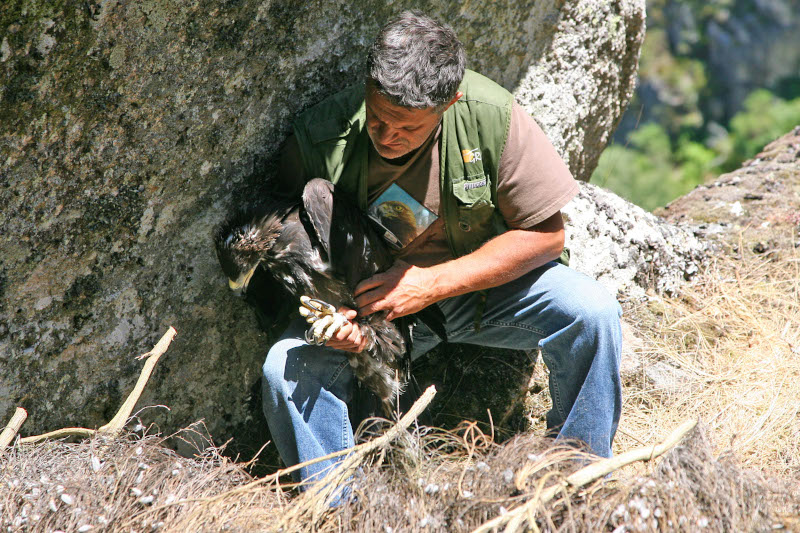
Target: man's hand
348	338
402	290
405	289
344	333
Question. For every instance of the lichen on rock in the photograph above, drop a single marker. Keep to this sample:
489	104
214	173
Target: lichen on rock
626	248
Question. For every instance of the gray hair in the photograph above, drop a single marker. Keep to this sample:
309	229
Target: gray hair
416	61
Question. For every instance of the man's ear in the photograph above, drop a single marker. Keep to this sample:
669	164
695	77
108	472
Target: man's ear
458	95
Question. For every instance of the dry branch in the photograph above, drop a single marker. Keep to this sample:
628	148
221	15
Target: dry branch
317	500
515	519
118	422
13	426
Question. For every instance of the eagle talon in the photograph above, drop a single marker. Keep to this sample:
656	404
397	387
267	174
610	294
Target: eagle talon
324	319
310	339
318	307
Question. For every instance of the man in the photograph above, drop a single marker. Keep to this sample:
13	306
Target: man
486	188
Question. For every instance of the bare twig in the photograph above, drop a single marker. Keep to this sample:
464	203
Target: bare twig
516	518
316	501
118	422
13	426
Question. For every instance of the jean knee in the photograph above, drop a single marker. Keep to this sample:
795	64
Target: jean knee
600	320
274	368
591	303
601	308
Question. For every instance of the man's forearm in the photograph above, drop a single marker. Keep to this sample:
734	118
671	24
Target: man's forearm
502	259
405	289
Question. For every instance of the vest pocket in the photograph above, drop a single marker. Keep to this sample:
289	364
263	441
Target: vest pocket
475	211
473	190
475	224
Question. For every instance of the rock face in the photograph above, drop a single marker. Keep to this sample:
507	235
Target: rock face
750	206
626	248
756	44
573	58
128	129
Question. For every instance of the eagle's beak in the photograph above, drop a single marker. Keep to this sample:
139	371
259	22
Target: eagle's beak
239	286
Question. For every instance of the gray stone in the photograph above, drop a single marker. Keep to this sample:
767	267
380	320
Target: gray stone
578	71
668	378
129	129
626	248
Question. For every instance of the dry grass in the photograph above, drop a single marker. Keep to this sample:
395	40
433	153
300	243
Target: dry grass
431	480
734	337
123	484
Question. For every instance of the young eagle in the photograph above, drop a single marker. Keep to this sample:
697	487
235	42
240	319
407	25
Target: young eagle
319	250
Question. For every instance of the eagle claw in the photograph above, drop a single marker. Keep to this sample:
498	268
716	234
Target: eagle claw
324	320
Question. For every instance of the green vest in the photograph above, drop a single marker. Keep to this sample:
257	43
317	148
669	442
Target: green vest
334	145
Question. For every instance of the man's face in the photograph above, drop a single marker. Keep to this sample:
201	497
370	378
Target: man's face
395	130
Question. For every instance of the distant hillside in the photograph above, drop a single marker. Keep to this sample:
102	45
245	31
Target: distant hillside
717	81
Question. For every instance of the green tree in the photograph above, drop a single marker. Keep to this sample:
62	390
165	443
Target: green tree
646	171
765	117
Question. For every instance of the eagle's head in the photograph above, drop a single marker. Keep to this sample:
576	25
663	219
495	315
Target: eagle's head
242	242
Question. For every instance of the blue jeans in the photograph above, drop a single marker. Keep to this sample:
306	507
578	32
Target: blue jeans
569	316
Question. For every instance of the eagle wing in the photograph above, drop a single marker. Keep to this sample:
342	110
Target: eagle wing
355	250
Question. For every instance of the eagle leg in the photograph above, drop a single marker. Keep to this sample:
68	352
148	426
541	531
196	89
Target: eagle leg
324	320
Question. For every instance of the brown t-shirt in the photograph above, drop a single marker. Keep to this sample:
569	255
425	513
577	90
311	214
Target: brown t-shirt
533	183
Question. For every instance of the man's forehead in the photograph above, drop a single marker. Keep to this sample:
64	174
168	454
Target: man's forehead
381	106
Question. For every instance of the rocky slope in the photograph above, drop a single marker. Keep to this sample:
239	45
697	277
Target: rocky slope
128	129
757	206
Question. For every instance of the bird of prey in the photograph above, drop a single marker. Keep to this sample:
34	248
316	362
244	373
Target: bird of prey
319	249
398	218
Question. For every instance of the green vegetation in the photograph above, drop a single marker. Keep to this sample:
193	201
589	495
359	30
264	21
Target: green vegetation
653	169
679	131
765	117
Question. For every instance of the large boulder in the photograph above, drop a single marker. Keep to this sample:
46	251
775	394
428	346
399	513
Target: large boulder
626	248
129	129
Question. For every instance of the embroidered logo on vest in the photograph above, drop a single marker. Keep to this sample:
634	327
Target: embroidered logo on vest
469	185
471	156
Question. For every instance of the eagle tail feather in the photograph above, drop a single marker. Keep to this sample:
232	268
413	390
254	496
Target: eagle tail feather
382	372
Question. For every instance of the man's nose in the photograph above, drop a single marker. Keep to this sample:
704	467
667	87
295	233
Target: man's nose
385	133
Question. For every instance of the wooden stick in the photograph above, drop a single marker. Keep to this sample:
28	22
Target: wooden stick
355	453
58	434
118	422
13	426
516	517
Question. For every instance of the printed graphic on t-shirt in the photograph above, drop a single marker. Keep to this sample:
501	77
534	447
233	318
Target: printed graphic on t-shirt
401	217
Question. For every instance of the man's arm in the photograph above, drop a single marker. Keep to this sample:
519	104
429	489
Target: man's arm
405	289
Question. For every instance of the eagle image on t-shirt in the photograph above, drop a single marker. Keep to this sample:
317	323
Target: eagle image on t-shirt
401	218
